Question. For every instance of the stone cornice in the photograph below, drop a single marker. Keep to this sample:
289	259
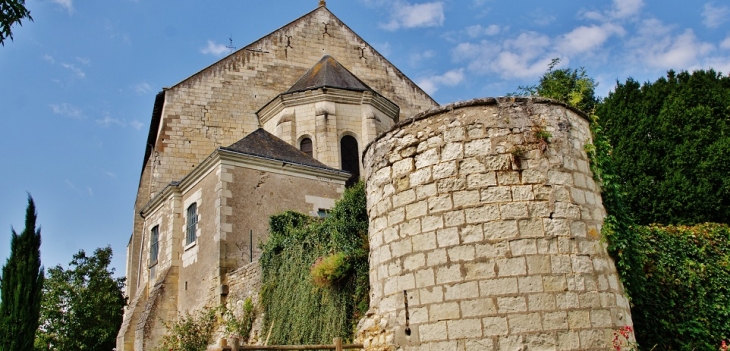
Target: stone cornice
279	103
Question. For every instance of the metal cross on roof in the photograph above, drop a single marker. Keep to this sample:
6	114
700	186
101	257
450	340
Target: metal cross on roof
322	3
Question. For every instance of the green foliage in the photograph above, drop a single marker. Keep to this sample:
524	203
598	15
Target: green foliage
327	271
302	312
672	146
191	331
572	86
685	302
82	306
13	11
21	286
241	326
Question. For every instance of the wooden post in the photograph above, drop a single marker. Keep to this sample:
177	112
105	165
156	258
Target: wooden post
338	344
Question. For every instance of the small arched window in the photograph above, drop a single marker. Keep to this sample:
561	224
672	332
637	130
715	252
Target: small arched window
306	146
349	157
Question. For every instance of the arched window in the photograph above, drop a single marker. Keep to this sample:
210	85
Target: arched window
306	146
349	157
192	221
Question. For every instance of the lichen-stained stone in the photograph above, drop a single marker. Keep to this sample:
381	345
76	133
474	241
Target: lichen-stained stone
515	261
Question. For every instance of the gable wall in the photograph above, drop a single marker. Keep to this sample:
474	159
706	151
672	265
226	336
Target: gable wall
218	105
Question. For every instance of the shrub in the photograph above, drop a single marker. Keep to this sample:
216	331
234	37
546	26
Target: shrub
315	273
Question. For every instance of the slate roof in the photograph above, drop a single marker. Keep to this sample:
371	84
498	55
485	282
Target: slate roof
261	143
331	74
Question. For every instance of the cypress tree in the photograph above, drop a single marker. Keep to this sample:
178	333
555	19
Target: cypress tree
21	287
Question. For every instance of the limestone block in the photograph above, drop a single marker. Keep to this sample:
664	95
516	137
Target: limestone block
444	170
471	234
460	253
479	270
530	284
431	295
508	178
513	210
470	166
499	286
424	242
443	311
494	326
511	304
477	147
433	331
522	323
511	266
447	237
496	194
478	307
448	274
452	151
500	230
464	328
484	213
466	198
468	290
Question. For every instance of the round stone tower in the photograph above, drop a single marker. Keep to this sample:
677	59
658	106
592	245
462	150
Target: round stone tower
485	232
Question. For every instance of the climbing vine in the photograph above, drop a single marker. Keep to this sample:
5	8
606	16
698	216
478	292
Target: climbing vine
315	273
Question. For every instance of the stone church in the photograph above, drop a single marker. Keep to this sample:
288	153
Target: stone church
277	125
484	216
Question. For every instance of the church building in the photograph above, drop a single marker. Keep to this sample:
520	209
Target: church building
277	125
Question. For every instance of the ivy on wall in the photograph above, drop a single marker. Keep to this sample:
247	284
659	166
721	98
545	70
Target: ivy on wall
315	273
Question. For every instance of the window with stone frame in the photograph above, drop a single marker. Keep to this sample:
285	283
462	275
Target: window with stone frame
349	157
154	244
192	221
306	147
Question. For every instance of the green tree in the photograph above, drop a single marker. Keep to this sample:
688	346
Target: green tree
82	306
21	286
671	141
571	86
13	11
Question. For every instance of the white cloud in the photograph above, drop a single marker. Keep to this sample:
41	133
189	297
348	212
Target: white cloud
143	88
526	56
657	47
108	121
77	71
478	31
68	110
110	174
136	124
83	60
406	15
586	38
49	59
713	16
620	9
451	78
66	4
626	8
725	44
214	49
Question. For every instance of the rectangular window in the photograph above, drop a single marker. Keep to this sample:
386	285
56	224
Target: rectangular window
154	244
191	224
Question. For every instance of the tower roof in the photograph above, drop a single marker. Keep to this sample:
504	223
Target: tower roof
328	73
263	144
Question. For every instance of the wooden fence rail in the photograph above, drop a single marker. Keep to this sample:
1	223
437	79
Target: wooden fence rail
336	345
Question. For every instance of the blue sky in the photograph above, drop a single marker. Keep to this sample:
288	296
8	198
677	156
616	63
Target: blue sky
78	83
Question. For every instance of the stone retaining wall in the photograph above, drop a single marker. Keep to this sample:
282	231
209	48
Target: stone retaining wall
484	233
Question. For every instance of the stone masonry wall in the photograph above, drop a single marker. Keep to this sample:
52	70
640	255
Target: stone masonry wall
217	106
484	233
